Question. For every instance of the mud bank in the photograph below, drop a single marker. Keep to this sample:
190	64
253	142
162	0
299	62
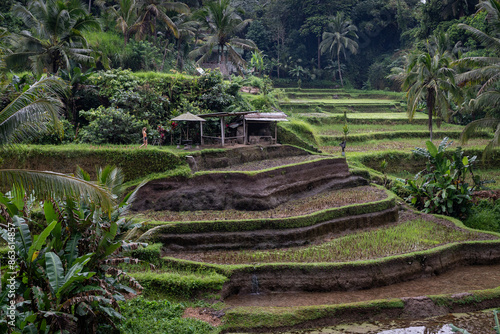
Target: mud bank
274	320
240	155
246	191
269	238
362	274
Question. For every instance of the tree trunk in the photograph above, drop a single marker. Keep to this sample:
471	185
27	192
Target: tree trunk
340	73
431	100
164	56
180	63
278	65
319	54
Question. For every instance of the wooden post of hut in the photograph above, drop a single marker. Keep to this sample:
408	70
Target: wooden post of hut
222	130
201	134
245	141
276	132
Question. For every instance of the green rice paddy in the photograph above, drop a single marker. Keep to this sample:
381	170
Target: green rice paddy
410	236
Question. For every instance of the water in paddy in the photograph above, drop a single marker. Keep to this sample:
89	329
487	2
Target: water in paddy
481	322
454	281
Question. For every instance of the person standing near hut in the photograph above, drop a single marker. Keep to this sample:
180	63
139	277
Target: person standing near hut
144	138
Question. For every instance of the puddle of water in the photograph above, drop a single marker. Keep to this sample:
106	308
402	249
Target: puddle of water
454	281
480	322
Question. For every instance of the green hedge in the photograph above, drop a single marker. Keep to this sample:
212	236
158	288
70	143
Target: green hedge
178	284
398	161
274	223
134	162
151	253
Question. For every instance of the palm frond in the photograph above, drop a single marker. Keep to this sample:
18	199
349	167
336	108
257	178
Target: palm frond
47	185
28	113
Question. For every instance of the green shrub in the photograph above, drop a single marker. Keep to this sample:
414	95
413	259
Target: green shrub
485	216
111	126
64	159
150	254
176	284
52	137
159	316
441	187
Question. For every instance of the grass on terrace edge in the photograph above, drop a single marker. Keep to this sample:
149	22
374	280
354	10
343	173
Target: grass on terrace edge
411	236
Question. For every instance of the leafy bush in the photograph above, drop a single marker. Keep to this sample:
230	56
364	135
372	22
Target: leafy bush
441	187
63	278
159	316
112	126
53	137
143	103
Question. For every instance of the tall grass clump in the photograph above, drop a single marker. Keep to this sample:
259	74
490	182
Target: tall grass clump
485	216
303	129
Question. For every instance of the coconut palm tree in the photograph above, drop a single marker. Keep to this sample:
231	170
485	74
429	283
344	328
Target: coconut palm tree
339	36
55	37
26	117
152	10
187	29
125	14
428	77
484	71
222	24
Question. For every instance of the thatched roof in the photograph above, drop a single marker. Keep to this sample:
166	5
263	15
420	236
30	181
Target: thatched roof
188	117
267	117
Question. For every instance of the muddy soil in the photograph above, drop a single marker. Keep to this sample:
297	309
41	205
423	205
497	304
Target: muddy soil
454	281
269	163
480	322
240	191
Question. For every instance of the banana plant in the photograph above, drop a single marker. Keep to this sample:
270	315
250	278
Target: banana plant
442	186
67	274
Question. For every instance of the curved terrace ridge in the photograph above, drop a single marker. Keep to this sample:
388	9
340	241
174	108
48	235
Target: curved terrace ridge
246	191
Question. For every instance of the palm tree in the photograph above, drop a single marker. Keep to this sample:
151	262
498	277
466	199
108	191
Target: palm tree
222	23
484	71
187	29
125	13
152	10
428	77
340	35
26	117
55	37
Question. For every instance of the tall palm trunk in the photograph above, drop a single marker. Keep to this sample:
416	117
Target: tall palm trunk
431	101
340	73
319	53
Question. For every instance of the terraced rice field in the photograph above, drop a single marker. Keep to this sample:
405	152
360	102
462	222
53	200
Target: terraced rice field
413	235
361	242
292	208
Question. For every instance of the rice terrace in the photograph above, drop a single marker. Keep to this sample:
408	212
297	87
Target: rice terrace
237	167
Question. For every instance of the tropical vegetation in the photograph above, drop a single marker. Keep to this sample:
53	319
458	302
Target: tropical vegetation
93	74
